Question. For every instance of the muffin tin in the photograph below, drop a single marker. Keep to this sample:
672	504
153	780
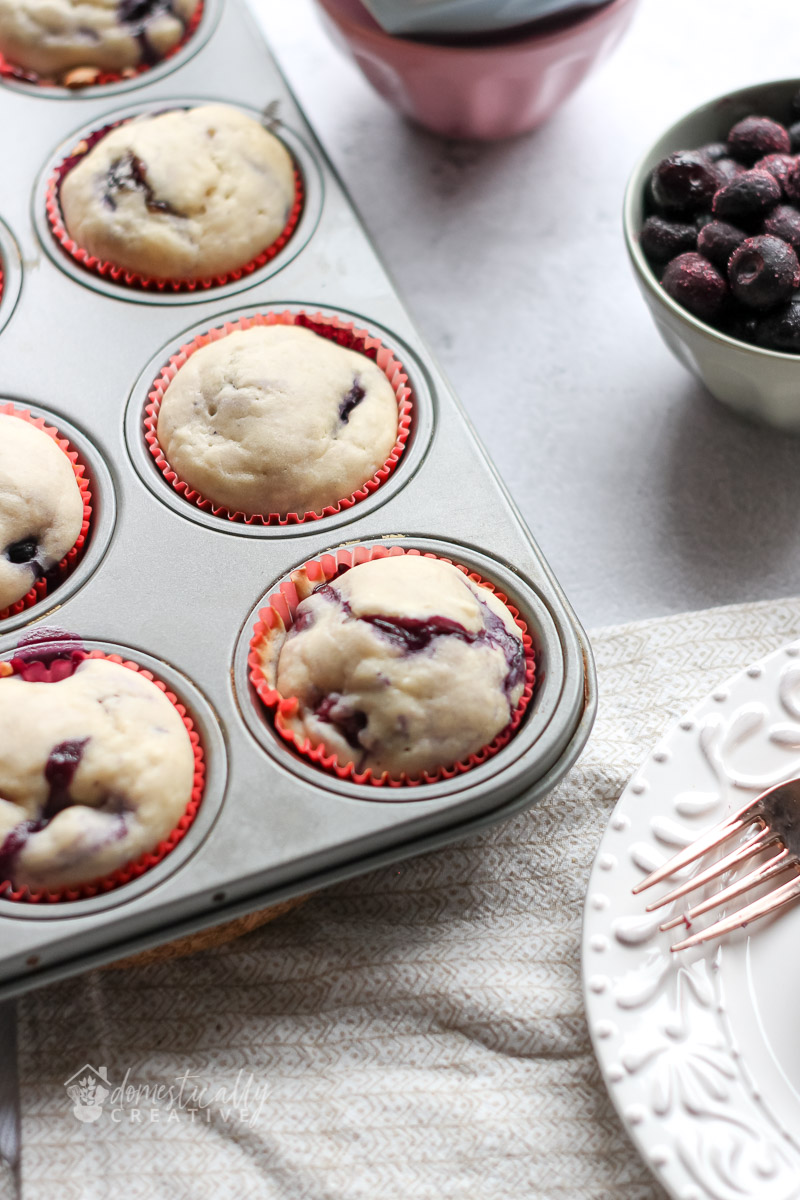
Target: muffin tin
177	590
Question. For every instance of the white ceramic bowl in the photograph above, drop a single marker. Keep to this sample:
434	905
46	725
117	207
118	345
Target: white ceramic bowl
761	384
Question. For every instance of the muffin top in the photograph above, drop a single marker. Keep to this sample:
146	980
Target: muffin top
185	194
277	419
402	664
41	507
51	37
95	770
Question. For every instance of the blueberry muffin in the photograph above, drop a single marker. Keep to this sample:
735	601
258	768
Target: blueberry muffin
401	665
277	419
41	507
95	770
49	38
180	195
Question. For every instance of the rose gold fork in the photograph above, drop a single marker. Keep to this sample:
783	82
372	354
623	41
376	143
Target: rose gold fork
773	822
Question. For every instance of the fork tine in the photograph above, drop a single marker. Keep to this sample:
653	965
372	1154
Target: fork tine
754	845
752	912
780	862
704	843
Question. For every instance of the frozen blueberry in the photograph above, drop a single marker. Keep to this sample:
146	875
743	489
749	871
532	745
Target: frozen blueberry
763	271
784	222
696	284
661	239
794	136
718	240
713	151
684	182
727	169
754	137
791	185
779	165
741	324
748	196
780	330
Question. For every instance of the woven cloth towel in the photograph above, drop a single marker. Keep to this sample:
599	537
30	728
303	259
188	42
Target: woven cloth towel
415	1034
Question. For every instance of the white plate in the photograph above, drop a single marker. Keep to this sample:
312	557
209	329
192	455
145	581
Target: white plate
701	1050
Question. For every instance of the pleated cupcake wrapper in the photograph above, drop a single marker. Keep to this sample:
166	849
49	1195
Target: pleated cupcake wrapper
345	334
59	573
61	668
133	279
8	70
278	617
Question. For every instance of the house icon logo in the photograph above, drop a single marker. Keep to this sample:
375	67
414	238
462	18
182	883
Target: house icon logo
88	1089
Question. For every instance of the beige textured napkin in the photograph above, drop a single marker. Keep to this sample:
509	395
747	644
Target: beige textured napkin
417	1033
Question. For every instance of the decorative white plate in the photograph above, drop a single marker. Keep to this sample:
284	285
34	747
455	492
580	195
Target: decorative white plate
700	1050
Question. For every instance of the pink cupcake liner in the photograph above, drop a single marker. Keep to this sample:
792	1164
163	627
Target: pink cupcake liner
133	279
62	667
8	70
274	620
345	334
43	587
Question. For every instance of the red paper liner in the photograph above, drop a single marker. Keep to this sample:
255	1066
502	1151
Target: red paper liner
59	669
57	575
345	334
133	279
9	70
279	617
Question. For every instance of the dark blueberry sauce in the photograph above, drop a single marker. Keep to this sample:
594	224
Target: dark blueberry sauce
129	174
48	655
349	724
351	400
496	634
138	14
59	772
12	844
414	634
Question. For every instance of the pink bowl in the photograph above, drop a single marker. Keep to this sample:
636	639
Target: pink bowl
503	86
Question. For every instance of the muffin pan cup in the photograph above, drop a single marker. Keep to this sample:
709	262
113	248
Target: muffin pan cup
50	669
199	28
49	583
178	591
277	618
133	279
344	334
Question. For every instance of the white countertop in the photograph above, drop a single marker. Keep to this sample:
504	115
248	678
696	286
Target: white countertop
645	494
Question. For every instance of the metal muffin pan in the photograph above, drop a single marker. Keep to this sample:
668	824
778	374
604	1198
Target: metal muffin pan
177	589
12	274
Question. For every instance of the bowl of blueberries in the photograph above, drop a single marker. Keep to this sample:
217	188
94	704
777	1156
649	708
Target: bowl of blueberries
712	226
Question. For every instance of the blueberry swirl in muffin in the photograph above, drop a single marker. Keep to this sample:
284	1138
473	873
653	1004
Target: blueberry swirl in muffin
402	664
